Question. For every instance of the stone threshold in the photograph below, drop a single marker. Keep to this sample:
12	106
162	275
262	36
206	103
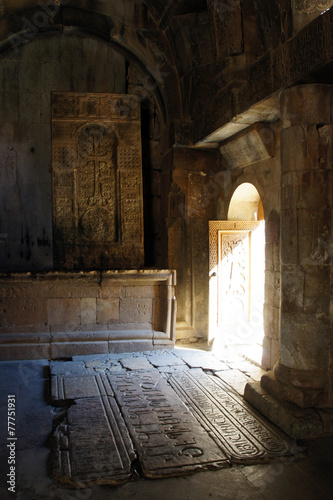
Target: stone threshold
298	423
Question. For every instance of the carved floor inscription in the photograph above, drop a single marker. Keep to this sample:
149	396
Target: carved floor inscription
168	439
123	424
93	446
239	431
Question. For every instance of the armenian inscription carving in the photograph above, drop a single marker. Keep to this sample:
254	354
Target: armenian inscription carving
97	181
80	460
242	434
168	439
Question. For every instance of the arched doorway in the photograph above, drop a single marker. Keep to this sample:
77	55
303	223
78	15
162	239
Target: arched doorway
237	276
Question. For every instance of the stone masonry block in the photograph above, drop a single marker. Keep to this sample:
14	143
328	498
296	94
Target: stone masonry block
326	146
63	311
88	311
289	237
307	104
305	341
110	290
25	312
107	311
317	281
271	321
292	286
272	288
136	310
145	292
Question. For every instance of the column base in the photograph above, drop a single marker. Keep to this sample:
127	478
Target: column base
304	388
298	423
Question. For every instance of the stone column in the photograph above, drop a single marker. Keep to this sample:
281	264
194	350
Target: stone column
302	375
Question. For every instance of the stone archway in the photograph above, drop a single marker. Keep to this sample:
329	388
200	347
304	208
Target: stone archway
237	275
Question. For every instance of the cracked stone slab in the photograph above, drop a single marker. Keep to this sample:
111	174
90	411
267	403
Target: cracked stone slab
93	445
235	378
242	433
136	363
171	369
67	368
164	359
204	360
168	439
64	388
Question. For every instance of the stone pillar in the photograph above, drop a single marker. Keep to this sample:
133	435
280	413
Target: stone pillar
302	375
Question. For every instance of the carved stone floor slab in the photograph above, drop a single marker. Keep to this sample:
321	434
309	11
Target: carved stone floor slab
244	436
126	420
65	388
93	446
168	439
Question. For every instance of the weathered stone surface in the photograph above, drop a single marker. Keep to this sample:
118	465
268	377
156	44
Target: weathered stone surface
296	422
72	387
235	379
254	144
164	359
306	11
107	311
82	460
197	359
105	227
89	307
135	363
136	310
63	311
242	434
168	439
88	311
67	368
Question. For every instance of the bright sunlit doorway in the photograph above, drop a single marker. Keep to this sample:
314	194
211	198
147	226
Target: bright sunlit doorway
236	286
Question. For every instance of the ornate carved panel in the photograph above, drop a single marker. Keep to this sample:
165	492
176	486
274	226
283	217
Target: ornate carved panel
229	269
233	271
97	181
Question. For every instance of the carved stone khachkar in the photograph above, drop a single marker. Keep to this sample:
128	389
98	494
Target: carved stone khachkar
97	181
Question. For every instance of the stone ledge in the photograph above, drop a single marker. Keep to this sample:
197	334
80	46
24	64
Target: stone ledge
64	345
297	422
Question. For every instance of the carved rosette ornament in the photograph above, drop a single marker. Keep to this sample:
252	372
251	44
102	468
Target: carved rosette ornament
305	11
311	6
97	181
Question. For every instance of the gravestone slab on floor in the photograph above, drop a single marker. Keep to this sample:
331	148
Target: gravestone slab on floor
243	435
168	439
74	387
92	446
155	416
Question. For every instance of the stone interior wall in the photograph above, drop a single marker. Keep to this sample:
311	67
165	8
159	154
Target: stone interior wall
58	315
190	206
204	71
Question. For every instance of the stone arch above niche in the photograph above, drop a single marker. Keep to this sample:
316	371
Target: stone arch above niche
97	181
246	204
